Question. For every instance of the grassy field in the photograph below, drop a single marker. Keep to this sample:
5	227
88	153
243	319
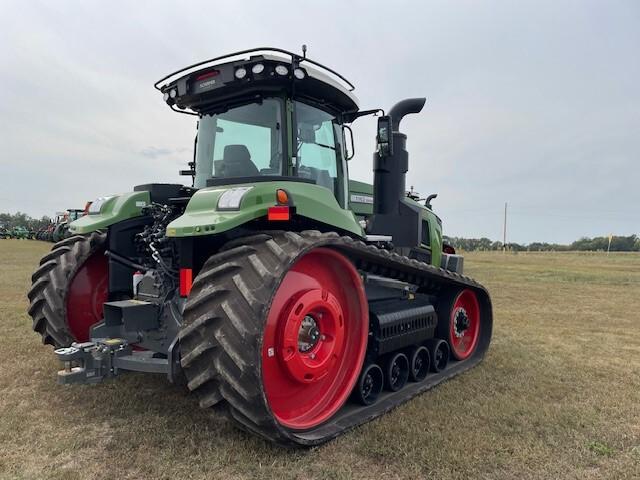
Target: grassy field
557	397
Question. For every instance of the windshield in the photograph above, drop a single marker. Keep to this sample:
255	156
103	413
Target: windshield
245	141
318	155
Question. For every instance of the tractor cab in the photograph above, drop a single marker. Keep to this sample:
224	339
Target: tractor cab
265	115
74	214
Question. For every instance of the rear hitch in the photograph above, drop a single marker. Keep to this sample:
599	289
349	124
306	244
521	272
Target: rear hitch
91	362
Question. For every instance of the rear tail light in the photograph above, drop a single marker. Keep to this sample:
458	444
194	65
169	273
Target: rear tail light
279	213
186	280
211	74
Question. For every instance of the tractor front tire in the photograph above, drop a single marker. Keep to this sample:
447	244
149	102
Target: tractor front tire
68	289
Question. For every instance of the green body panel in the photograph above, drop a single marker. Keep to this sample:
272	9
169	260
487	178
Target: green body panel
361	202
114	210
360	198
435	232
201	216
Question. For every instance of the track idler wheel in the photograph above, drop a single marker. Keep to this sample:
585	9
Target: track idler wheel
439	351
396	371
459	322
369	385
419	363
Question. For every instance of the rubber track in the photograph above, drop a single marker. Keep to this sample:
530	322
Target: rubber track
47	296
221	338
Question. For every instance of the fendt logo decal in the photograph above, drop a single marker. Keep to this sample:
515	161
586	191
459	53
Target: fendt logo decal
362	199
206	84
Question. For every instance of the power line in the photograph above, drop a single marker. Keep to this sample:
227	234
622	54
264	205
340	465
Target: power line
504	231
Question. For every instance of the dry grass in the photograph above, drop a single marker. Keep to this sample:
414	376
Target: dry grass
557	397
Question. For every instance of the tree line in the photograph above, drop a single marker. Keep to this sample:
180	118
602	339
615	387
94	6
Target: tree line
619	243
11	220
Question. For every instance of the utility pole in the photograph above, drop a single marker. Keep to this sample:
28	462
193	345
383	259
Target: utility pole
504	230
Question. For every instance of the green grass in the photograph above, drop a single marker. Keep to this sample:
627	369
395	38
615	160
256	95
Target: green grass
558	395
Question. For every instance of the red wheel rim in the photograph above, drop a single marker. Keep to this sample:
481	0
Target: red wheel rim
464	326
315	339
87	293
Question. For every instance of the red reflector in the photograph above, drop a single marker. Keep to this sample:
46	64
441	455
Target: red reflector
204	76
186	279
279	213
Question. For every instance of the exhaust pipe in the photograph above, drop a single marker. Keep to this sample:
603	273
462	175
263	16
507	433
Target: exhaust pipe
391	161
405	107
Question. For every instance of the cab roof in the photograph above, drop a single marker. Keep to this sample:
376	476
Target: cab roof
217	83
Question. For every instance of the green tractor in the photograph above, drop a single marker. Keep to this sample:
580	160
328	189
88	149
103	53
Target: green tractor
41	232
61	229
295	300
20	233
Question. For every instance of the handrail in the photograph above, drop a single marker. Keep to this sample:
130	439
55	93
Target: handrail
294	56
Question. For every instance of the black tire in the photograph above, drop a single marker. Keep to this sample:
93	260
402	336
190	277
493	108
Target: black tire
419	363
47	296
396	371
369	385
223	324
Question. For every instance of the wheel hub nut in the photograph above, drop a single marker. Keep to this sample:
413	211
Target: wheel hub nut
461	322
308	335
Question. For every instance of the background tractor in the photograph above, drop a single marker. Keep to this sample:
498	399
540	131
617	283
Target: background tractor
20	232
46	233
62	221
299	302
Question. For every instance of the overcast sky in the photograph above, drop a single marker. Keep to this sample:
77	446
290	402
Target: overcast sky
536	104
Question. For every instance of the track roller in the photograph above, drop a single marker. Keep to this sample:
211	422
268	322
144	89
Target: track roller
419	363
369	385
396	371
439	350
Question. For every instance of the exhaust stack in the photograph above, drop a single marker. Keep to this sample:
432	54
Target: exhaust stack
391	161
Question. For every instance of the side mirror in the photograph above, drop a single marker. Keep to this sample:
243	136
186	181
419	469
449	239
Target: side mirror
384	137
350	151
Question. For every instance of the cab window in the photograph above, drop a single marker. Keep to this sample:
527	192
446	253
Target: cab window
318	156
245	141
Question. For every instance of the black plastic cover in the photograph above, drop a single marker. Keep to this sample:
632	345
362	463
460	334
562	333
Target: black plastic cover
400	323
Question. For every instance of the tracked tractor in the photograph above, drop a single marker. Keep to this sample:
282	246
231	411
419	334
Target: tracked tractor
298	302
